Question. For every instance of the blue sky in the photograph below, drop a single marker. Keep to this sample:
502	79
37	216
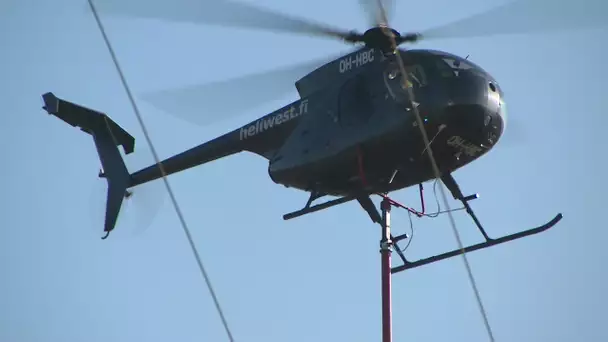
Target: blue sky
316	277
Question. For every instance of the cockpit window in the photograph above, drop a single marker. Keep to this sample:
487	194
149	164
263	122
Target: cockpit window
449	66
415	74
444	68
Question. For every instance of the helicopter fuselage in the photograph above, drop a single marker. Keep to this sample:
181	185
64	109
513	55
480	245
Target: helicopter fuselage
362	132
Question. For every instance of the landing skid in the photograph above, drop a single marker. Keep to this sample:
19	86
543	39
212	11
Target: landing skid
389	243
489	243
308	209
377	217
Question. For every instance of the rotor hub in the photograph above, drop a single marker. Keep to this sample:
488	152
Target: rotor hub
383	38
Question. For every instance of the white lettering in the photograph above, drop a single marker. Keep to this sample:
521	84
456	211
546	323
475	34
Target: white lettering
464	146
355	61
275	119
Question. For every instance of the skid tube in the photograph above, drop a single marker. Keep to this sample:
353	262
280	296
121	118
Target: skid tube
451	184
488	243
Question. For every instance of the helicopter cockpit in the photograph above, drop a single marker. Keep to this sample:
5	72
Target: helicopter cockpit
461	74
423	66
397	86
452	66
438	78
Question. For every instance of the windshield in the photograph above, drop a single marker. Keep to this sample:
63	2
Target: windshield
449	65
415	75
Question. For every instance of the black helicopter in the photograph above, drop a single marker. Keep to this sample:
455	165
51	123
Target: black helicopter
354	132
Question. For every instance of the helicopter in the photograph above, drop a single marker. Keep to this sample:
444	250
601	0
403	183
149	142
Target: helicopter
357	129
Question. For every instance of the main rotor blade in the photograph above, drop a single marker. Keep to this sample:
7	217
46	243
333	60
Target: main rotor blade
375	17
526	16
214	102
219	12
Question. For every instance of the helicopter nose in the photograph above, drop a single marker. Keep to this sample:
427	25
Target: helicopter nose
496	112
475	111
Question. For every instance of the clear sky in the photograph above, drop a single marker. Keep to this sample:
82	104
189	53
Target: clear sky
315	278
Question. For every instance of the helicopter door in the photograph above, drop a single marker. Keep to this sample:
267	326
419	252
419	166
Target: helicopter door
355	106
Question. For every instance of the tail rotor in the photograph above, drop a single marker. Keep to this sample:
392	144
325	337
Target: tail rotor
140	206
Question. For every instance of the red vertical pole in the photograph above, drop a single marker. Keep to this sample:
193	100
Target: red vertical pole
385	256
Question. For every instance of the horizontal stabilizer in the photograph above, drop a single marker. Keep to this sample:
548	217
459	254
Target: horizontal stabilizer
87	119
107	136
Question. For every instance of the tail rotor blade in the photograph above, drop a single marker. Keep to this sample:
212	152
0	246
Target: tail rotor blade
222	13
526	16
145	200
139	209
137	212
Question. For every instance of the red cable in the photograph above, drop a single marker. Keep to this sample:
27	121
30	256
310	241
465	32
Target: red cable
413	211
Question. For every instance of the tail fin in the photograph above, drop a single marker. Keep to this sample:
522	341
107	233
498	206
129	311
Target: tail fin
107	136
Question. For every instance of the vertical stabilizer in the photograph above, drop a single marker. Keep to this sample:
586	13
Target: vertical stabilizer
107	136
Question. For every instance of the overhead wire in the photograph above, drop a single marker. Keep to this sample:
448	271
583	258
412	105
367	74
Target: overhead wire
180	215
436	170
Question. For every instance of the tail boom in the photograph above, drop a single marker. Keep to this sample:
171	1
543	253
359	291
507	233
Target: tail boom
217	148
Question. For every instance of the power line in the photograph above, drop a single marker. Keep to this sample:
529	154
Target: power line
162	170
437	173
